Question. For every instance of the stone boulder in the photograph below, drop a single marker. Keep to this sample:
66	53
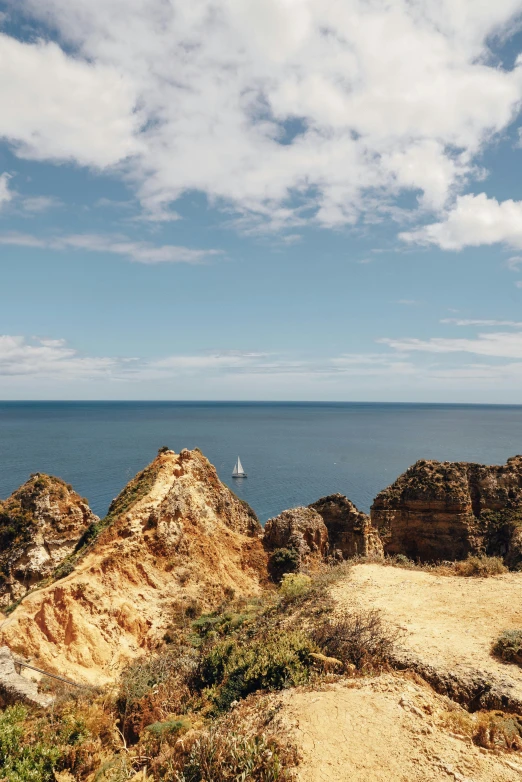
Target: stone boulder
448	510
40	524
301	529
350	531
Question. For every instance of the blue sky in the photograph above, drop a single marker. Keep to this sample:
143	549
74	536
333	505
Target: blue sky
261	199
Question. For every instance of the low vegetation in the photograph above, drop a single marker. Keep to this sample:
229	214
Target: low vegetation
488	729
200	708
508	646
361	639
478	566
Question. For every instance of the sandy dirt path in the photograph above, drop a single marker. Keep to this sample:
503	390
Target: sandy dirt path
447	621
387	729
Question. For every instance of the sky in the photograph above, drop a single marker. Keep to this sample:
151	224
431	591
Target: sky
261	200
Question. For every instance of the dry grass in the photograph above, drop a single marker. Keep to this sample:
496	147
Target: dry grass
479	566
361	639
488	729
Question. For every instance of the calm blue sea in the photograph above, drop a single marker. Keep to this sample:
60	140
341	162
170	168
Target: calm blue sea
294	453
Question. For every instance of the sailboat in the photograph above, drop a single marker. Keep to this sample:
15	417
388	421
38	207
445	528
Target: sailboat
238	471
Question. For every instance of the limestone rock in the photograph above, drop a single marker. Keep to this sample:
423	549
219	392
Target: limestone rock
301	529
350	531
40	525
15	688
175	538
448	510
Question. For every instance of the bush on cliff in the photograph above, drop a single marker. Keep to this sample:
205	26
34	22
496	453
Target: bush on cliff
232	670
508	646
281	561
480	566
361	639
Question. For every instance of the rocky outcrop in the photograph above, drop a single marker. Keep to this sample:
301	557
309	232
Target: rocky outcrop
176	541
332	527
300	529
15	688
40	525
350	531
448	510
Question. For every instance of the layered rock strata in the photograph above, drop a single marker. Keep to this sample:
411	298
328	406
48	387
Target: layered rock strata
40	525
176	541
330	528
301	529
448	510
350	531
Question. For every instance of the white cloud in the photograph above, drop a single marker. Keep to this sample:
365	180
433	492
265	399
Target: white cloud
478	322
514	263
5	192
141	252
335	104
518	284
44	357
38	204
50	368
498	344
473	221
56	107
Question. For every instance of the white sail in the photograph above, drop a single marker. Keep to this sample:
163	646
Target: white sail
238	471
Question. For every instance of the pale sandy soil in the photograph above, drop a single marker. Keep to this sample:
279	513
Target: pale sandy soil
447	621
387	729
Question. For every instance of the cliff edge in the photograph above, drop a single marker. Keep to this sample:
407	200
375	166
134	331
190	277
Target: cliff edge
40	525
448	510
175	540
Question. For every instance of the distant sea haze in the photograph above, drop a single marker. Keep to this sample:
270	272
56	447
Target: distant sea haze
293	453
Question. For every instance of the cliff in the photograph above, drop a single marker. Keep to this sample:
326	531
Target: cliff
40	525
330	528
350	531
448	510
175	541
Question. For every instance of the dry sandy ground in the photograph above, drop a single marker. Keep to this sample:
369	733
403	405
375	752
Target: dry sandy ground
447	621
387	729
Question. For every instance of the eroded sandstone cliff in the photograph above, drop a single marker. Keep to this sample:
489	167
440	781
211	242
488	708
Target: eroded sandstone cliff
350	531
40	525
447	510
301	530
331	528
176	539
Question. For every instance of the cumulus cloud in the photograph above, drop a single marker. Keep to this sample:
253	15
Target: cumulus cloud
267	106
474	220
57	107
141	252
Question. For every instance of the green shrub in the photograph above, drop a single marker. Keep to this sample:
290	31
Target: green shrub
508	646
281	561
230	670
161	729
294	585
20	760
229	757
480	566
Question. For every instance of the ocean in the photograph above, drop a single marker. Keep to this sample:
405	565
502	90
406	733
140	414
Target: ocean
293	453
